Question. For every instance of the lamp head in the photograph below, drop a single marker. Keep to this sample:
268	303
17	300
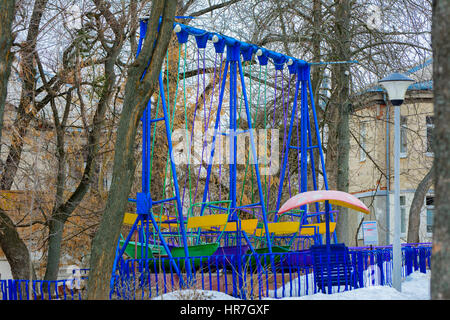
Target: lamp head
396	86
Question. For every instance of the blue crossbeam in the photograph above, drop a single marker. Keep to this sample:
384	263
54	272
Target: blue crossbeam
235	133
250	205
164	200
308	148
220	41
155	202
156	120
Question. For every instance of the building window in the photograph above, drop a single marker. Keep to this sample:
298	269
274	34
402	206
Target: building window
403	136
430	128
403	214
362	141
429	202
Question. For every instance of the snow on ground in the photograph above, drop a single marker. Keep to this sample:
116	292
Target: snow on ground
415	287
195	295
5	270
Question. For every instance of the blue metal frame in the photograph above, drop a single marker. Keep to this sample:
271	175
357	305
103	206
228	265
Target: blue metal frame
319	143
288	143
234	49
252	142
144	200
304	79
417	258
245	48
234	64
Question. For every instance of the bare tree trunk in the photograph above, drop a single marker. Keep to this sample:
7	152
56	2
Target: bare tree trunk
12	245
316	49
63	211
55	226
440	263
25	113
416	207
316	78
341	91
137	94
7	13
14	248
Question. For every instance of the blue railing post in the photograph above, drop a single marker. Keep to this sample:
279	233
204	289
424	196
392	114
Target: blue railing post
422	260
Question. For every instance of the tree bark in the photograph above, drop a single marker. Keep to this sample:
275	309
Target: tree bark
12	245
416	207
7	13
340	99
55	226
316	73
63	211
15	250
26	104
440	262
137	95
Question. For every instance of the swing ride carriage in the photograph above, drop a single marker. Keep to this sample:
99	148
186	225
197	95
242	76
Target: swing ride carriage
239	215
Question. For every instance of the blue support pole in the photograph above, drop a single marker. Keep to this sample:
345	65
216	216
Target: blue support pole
146	125
327	225
288	143
213	143
147	236
312	159
175	180
145	149
255	157
328	245
233	136
166	247
319	143
149	143
304	134
120	251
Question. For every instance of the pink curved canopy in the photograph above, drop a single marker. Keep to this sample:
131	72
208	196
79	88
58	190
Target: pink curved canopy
339	198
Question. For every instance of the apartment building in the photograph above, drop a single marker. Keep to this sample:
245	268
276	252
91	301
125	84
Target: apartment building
372	156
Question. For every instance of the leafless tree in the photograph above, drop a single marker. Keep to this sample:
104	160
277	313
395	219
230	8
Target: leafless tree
440	277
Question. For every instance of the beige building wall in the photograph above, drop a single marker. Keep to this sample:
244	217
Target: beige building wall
372	172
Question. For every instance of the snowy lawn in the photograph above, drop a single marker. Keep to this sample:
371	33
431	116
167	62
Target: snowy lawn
195	295
415	287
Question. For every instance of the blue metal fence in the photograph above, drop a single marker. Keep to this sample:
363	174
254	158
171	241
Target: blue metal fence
246	276
38	290
250	278
66	289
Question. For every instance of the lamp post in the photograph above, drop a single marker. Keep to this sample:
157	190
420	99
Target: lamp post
396	85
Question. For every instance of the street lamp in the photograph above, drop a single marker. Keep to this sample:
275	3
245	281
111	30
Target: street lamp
396	85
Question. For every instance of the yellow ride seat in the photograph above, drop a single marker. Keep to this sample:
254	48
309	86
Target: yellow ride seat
280	228
213	220
130	218
316	228
249	226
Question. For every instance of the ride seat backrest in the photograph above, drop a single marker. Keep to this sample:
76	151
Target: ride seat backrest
341	269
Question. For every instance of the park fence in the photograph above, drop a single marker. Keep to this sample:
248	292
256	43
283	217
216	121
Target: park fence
65	289
276	275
